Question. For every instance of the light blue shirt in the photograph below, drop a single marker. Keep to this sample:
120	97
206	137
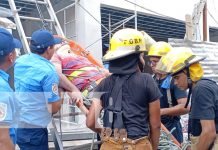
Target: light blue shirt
7	105
36	85
167	82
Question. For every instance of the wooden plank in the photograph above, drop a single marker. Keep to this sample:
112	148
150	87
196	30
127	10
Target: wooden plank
189	27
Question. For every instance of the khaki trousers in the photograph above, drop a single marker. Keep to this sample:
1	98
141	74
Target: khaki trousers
194	141
138	144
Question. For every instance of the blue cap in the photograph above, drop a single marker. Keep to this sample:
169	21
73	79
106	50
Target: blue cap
7	42
42	39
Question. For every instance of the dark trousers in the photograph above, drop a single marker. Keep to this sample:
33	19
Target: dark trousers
32	138
177	133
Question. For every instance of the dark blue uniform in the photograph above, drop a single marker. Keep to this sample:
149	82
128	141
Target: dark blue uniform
171	122
204	105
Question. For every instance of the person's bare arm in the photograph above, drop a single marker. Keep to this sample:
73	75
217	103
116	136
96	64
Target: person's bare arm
208	134
92	116
54	107
154	120
5	141
176	110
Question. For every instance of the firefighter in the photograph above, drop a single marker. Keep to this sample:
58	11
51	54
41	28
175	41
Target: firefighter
130	98
173	100
7	101
188	73
36	86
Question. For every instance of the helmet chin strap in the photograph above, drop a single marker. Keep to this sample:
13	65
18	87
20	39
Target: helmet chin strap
189	87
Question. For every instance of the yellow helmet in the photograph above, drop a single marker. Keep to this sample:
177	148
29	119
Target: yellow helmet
178	59
125	42
159	49
149	41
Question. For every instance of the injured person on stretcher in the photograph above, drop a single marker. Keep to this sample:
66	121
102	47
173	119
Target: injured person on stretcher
78	76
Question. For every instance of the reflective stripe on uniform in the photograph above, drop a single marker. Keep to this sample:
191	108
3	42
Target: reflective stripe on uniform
76	73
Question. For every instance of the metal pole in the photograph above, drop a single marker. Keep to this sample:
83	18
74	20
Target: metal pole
19	27
54	17
135	16
124	20
109	26
76	20
65	28
205	33
57	141
69	6
108	33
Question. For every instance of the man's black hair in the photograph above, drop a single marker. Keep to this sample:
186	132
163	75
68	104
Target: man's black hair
39	50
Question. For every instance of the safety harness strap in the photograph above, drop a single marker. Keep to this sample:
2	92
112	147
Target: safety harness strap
113	117
169	98
189	87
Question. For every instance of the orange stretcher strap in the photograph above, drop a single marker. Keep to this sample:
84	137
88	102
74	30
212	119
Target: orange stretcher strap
77	49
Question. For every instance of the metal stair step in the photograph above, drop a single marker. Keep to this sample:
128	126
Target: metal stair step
33	1
35	19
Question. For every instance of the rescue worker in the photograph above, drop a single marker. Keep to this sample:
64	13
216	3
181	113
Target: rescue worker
173	100
188	73
36	86
130	98
7	102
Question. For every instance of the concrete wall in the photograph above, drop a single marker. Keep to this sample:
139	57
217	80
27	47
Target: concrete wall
88	28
